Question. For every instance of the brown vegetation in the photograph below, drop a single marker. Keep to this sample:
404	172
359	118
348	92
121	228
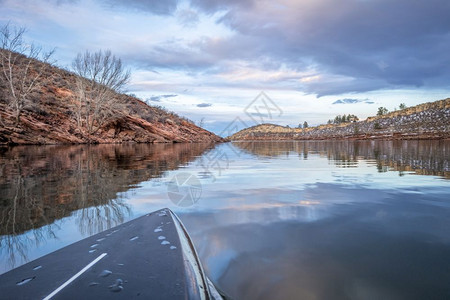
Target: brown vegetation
48	116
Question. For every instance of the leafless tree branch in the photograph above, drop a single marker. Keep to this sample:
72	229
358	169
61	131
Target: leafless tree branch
101	75
19	68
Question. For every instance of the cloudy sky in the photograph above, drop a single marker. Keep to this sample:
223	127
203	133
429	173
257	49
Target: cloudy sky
210	59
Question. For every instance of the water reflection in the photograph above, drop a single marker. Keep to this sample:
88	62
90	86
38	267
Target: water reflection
41	185
421	157
328	220
284	220
383	248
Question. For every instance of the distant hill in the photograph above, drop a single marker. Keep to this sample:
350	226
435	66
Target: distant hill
48	118
425	121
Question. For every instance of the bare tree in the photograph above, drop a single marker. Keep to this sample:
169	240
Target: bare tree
101	75
201	122
19	68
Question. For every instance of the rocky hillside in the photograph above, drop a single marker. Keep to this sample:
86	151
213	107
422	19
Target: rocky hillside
48	117
424	121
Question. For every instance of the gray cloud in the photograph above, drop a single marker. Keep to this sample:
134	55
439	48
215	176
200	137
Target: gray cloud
158	98
187	17
352	45
212	6
377	44
166	7
204	105
352	101
175	54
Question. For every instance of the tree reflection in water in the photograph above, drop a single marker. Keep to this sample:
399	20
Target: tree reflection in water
40	185
421	157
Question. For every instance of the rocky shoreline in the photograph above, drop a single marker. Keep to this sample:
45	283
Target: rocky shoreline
424	121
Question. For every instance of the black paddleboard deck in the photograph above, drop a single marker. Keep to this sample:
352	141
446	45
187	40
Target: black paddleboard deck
148	258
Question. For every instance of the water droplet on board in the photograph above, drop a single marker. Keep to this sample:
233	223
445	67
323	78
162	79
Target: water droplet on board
93	246
92	251
173	247
93	283
117	286
134	238
165	243
157	230
102	239
161	237
105	273
25	281
37	268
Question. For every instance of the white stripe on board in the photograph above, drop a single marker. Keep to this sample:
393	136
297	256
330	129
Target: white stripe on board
75	276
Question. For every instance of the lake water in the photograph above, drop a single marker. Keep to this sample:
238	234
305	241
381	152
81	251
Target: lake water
270	220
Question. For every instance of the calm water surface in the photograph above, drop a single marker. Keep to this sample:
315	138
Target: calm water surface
275	220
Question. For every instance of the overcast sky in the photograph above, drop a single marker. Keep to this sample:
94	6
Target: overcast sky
210	59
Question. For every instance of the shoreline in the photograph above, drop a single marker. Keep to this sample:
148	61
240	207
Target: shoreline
424	121
383	137
112	143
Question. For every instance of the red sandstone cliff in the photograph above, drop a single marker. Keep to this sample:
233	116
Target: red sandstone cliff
48	117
